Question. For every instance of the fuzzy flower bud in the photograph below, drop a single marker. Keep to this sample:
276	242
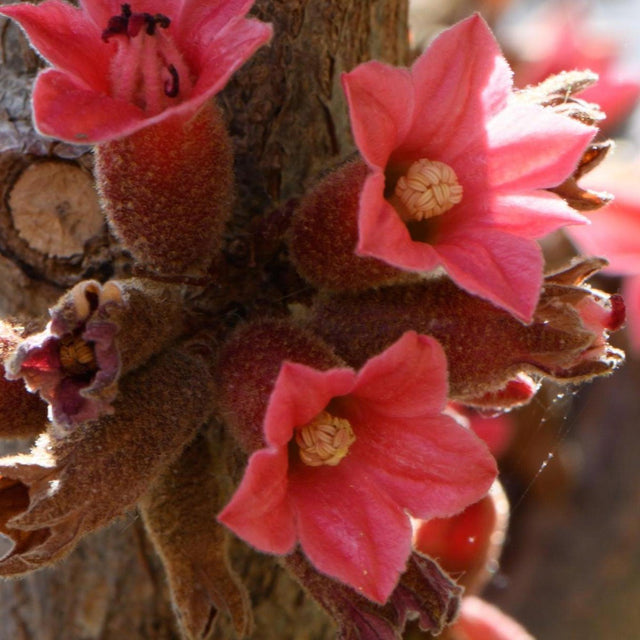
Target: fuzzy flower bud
324	235
97	334
487	348
167	189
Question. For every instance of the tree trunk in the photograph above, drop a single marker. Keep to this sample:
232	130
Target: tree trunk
288	119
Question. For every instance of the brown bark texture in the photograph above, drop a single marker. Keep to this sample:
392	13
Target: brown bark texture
288	120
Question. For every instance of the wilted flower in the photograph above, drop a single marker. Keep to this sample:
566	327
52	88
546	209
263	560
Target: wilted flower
97	333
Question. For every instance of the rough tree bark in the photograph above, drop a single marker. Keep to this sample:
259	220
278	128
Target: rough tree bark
288	119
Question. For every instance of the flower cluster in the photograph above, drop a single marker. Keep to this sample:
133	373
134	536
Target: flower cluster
425	285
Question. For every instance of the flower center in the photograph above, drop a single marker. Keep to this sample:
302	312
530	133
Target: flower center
428	189
147	69
324	440
76	356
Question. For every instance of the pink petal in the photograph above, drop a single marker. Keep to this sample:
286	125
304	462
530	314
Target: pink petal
631	295
349	529
380	101
97	117
480	620
409	379
531	147
217	60
67	38
499	267
429	465
301	393
460	81
206	19
382	234
533	214
614	234
259	511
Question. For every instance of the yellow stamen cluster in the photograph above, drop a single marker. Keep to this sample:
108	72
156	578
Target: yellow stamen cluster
324	440
428	189
76	356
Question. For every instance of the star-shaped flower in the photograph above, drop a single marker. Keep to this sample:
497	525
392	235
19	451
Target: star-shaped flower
120	67
349	455
458	170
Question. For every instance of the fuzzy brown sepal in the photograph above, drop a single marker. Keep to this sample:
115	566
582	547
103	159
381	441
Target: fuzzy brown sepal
486	347
167	191
66	487
248	367
324	234
586	199
424	590
97	334
557	92
177	513
22	415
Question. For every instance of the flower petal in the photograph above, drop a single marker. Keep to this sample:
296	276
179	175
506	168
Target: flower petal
67	38
631	295
531	147
349	529
383	235
217	60
206	19
497	266
533	214
429	465
260	511
380	101
460	81
614	233
97	116
301	393
408	379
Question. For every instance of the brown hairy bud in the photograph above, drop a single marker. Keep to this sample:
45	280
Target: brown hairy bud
324	234
423	590
248	367
66	487
178	516
97	334
486	347
167	190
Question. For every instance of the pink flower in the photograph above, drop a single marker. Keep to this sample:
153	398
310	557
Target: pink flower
118	67
458	168
562	40
349	455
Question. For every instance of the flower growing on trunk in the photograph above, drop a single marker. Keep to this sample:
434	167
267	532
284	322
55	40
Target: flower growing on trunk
137	79
348	455
458	171
120	67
